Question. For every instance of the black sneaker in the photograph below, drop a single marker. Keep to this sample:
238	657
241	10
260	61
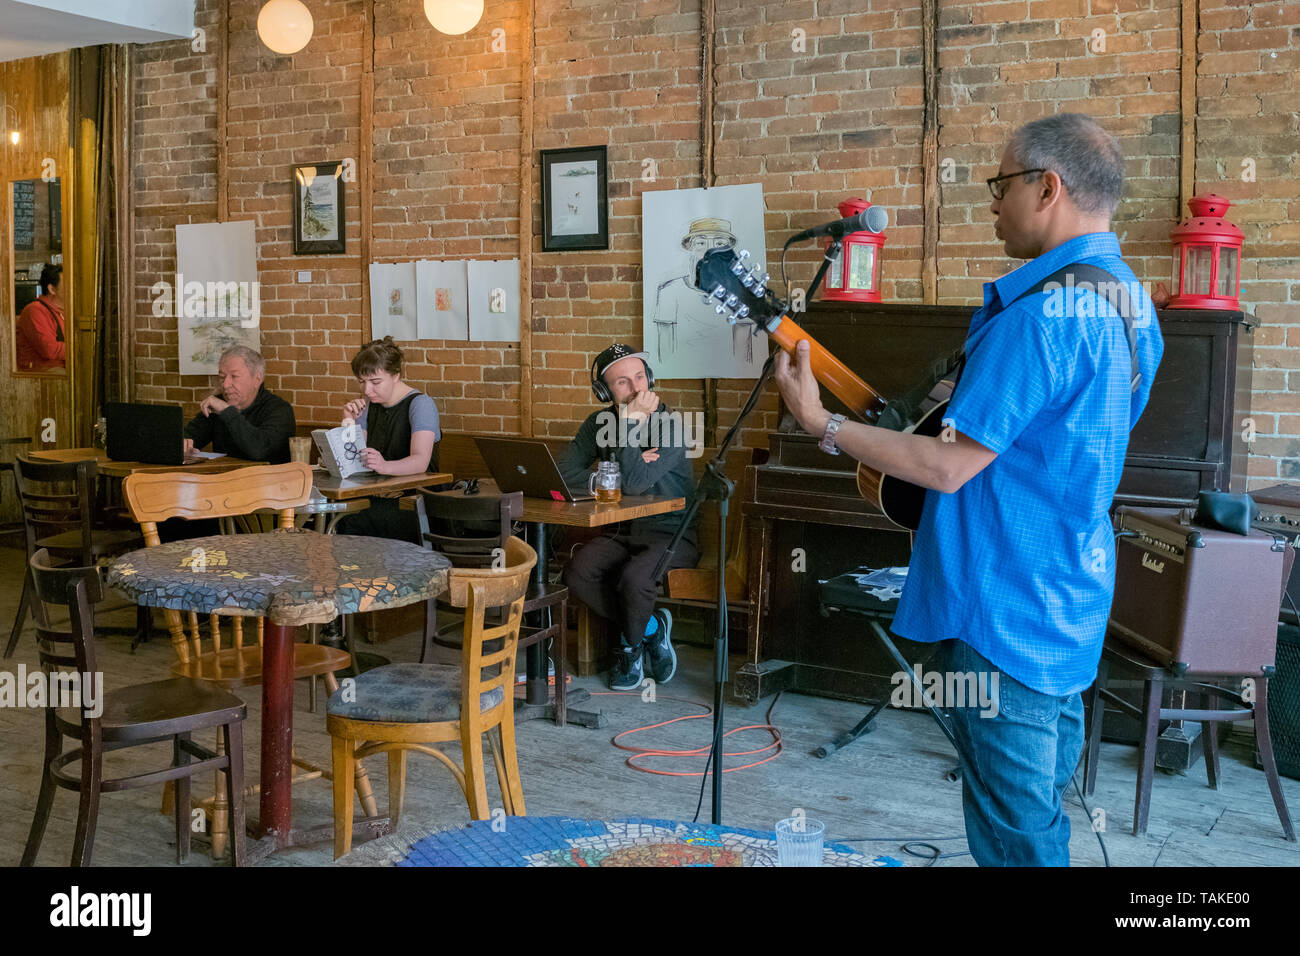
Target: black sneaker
627	672
659	648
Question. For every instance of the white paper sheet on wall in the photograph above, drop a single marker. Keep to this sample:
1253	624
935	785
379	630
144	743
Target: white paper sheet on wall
494	301
393	301
216	298
442	297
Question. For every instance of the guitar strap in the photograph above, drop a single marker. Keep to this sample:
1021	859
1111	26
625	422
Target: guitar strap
906	409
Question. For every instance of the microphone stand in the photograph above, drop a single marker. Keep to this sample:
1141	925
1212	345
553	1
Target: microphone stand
714	485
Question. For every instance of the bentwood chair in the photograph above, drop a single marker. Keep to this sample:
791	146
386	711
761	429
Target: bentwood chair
404	707
58	507
156	496
455	520
157	712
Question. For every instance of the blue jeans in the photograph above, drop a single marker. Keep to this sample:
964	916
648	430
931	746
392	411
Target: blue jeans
1015	767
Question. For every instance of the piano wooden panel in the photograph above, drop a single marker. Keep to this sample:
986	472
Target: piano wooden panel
1189	439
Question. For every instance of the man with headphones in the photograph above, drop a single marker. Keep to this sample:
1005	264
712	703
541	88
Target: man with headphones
612	574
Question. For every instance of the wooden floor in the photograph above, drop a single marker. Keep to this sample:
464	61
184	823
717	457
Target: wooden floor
890	785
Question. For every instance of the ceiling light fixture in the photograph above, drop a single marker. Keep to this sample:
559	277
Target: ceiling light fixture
453	17
285	26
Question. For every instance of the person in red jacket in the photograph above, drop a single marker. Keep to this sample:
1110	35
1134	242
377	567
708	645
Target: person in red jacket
39	339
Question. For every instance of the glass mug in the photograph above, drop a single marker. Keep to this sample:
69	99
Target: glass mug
606	483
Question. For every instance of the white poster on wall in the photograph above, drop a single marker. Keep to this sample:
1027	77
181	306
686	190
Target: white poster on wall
442	299
216	298
392	301
684	336
494	301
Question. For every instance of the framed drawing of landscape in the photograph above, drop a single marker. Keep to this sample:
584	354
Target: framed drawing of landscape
318	209
575	211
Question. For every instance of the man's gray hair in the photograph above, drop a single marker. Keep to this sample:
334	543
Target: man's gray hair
1081	152
256	364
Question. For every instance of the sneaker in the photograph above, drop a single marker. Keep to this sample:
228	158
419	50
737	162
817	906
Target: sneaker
627	673
659	648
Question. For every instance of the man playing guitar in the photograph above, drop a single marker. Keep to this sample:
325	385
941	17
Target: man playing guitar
1013	561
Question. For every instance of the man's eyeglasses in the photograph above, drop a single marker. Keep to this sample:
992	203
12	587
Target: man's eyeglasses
995	184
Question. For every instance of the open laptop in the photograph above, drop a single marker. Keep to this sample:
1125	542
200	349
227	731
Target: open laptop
150	434
525	464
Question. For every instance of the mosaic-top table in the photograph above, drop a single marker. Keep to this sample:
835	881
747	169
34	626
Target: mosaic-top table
290	577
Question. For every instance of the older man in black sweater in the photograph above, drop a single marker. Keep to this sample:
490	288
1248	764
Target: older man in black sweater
612	574
242	418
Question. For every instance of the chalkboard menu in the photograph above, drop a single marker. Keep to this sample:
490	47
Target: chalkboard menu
25	215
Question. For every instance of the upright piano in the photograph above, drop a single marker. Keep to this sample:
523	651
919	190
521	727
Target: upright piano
807	522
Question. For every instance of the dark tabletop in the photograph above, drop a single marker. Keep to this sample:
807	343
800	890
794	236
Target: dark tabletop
291	577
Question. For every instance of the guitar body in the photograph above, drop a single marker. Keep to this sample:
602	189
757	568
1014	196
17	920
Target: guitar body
898	500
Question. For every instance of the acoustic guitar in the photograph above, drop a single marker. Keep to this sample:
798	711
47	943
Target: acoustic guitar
741	294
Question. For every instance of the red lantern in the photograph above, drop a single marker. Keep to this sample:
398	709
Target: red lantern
855	275
1207	257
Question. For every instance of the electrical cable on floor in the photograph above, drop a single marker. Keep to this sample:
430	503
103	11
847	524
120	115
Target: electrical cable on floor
907	843
1088	810
639	753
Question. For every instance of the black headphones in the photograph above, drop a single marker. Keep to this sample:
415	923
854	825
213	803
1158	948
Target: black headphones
599	387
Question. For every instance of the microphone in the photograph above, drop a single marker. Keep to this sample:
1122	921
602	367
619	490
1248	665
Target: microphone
871	219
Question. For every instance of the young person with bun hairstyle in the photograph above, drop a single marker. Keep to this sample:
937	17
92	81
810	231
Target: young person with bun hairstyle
397	434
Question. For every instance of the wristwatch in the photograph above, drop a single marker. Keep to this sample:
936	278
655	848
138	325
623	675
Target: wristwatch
827	443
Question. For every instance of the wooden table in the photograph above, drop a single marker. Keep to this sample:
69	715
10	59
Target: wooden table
538	513
343	489
120	469
291	578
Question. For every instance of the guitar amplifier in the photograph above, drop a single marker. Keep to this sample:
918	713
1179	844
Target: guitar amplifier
1197	599
1279	513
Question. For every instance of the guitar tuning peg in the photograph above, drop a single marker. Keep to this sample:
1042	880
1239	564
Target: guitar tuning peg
742	255
737	268
742	312
747	280
719	309
731	301
719	292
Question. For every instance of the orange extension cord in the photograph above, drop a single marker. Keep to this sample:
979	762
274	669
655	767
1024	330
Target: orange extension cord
647	752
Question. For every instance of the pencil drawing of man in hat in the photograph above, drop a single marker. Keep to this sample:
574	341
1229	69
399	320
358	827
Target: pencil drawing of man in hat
681	319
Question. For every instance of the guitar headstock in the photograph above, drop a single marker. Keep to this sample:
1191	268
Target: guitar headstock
736	292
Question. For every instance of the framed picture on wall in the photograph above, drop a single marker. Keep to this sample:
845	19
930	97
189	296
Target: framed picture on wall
318	209
575	199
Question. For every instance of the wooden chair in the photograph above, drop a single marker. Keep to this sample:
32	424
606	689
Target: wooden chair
404	707
448	516
1154	679
156	496
58	507
130	717
440	512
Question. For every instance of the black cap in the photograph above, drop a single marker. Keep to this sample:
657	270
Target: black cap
615	353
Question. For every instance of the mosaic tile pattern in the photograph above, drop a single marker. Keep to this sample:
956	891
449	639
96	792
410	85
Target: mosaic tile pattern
627	841
290	576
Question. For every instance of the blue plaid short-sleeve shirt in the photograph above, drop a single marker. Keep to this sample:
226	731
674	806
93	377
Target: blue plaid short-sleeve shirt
1020	561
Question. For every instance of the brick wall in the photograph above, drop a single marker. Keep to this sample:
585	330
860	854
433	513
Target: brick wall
815	99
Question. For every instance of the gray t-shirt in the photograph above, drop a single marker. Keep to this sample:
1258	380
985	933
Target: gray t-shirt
422	412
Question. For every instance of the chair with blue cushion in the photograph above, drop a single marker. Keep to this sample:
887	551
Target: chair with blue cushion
402	707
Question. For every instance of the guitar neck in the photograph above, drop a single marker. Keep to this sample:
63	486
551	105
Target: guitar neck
859	397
